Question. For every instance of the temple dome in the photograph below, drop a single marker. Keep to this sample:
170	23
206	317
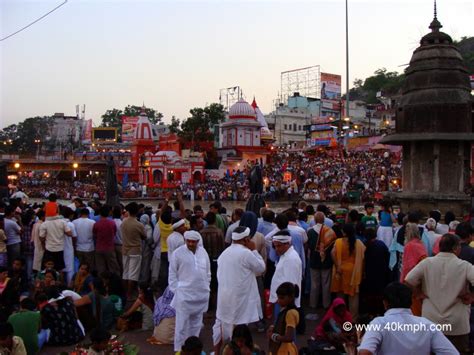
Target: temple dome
242	110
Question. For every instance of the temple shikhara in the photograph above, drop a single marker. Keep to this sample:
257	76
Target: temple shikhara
244	136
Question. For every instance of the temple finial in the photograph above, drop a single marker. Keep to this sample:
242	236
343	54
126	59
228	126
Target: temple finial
435	25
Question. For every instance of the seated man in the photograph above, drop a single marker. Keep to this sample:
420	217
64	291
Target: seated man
388	339
10	344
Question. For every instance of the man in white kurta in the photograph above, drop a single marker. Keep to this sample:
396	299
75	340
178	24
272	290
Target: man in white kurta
289	267
238	300
176	239
189	279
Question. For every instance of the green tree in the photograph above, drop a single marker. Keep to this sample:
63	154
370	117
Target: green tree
154	116
197	130
20	138
175	124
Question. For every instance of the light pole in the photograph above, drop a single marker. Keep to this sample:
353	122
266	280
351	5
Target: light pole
37	142
347	60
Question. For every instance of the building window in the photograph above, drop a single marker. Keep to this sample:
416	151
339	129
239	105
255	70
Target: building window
299	128
286	127
294	127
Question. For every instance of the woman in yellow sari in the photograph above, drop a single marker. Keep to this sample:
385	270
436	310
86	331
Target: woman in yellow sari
348	256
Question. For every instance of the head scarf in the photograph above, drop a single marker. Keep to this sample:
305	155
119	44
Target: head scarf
249	219
163	308
178	224
320	333
145	219
192	235
240	235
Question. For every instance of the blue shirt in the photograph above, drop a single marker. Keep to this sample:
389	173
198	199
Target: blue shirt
385	219
388	340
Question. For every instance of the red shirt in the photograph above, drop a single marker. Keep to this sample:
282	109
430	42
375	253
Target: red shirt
104	231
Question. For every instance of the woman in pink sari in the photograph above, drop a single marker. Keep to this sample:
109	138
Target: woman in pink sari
414	251
330	334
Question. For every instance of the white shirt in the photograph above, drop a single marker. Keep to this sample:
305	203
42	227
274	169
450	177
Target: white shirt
442	228
85	238
118	234
157	241
443	278
238	300
189	279
288	269
388	341
54	229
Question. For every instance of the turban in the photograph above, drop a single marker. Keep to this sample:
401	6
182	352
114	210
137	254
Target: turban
178	224
282	238
192	235
241	235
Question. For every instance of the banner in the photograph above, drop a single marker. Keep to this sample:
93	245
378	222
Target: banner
88	131
128	127
330	86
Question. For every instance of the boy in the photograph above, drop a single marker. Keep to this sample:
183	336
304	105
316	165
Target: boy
369	221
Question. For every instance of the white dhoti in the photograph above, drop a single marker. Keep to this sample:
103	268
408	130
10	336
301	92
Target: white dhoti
222	332
187	325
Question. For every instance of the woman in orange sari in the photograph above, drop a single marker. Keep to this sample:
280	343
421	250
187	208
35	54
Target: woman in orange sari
348	256
413	252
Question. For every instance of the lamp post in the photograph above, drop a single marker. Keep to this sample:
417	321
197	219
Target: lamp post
37	142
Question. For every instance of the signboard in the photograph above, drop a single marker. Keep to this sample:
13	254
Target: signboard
330	92
330	86
104	134
321	127
87	137
128	127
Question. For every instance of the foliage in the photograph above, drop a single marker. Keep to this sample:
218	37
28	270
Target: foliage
20	138
382	80
466	48
197	130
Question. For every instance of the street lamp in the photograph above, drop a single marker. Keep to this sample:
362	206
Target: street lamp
75	165
17	165
37	142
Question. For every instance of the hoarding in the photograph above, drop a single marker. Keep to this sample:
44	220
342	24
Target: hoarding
330	86
128	127
108	134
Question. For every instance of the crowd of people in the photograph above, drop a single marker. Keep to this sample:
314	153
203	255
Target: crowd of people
319	175
68	271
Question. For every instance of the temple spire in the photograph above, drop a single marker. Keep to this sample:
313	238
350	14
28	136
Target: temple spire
435	25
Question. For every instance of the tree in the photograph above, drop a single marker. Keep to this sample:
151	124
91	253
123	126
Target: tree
21	138
197	130
175	124
154	116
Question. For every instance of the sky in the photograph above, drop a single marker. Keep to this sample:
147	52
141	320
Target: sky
176	55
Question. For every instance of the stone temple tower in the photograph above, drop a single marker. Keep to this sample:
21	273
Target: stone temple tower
434	125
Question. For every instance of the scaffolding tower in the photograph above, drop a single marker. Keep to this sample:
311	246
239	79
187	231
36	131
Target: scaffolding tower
305	81
229	96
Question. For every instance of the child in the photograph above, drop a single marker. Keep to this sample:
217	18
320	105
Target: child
369	220
192	346
242	342
282	335
10	344
100	340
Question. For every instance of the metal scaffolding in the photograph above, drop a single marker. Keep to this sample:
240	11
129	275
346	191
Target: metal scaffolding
306	81
229	96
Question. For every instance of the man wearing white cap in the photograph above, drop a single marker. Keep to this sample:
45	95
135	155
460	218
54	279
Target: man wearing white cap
189	279
288	268
176	238
238	300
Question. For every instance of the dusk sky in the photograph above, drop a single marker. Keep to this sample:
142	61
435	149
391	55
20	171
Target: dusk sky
176	55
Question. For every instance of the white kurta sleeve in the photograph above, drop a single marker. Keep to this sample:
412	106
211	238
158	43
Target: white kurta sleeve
173	273
254	262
